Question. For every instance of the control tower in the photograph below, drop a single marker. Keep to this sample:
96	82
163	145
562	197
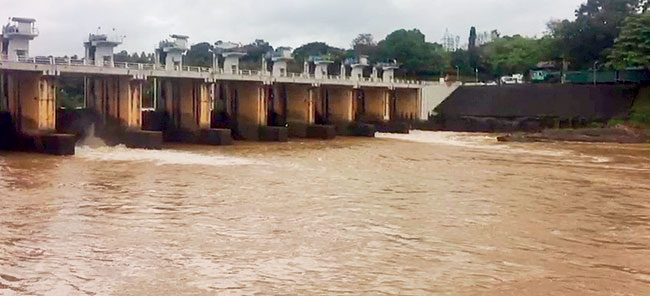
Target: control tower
171	52
280	57
357	67
322	62
231	53
389	70
16	36
100	48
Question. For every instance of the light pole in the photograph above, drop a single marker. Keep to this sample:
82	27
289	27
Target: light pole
595	65
457	74
476	70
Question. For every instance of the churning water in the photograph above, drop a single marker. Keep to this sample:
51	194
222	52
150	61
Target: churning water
420	214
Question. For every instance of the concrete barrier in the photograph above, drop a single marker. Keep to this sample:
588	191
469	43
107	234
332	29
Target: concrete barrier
215	136
539	100
273	134
532	107
204	136
40	142
56	144
324	132
297	129
143	139
392	127
153	120
311	131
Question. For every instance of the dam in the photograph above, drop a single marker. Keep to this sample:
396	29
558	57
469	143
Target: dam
192	104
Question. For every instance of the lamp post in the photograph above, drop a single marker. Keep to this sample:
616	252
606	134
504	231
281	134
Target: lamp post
595	65
476	70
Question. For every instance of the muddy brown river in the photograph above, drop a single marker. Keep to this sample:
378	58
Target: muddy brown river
420	214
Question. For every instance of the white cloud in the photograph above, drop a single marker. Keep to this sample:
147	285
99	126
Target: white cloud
65	24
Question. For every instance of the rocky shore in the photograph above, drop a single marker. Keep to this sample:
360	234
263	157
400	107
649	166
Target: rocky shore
618	134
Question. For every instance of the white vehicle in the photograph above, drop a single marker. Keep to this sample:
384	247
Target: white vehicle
514	79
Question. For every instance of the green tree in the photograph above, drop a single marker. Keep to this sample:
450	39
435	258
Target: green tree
199	55
121	57
71	92
597	24
473	49
418	56
254	53
632	47
365	44
303	52
516	54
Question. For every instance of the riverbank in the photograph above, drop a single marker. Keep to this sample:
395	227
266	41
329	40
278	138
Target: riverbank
617	134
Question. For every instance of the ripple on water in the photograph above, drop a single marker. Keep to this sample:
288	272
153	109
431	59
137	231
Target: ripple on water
392	217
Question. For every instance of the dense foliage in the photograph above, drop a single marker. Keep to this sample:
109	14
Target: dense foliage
598	23
516	54
632	47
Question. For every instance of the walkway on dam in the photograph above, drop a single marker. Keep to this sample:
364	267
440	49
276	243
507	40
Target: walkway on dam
58	66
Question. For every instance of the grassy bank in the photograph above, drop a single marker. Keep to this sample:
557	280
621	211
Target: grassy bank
639	116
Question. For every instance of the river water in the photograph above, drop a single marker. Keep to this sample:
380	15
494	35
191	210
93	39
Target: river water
419	214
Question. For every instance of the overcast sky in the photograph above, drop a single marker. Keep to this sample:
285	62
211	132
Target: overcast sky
64	24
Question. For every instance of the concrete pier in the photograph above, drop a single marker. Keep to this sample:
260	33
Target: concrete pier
300	114
407	104
30	123
187	113
116	104
379	104
341	107
248	108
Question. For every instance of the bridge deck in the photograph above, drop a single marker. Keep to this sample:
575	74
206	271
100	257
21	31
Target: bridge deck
56	67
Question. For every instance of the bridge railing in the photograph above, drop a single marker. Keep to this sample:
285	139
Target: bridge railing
148	66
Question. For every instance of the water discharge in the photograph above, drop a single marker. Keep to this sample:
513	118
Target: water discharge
90	139
420	214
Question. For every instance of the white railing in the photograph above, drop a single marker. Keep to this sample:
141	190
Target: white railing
147	66
16	30
77	62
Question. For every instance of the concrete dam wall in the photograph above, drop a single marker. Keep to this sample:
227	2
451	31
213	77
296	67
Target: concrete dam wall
533	106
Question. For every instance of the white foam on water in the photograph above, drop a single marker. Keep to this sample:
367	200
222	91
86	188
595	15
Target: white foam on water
446	138
159	157
482	141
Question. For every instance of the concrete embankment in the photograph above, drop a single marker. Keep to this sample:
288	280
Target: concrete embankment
633	126
37	141
533	107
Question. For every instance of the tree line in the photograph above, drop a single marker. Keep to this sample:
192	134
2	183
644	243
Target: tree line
604	34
